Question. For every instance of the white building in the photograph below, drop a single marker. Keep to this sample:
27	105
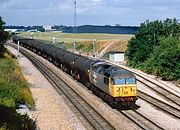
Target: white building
117	57
11	30
48	28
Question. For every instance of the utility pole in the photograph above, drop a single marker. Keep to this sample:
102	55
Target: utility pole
54	40
74	29
18	49
32	35
94	47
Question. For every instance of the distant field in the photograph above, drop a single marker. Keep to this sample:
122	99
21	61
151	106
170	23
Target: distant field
83	40
69	37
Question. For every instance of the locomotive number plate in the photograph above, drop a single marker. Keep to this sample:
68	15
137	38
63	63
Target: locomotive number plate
125	92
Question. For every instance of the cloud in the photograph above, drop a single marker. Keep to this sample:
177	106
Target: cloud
88	11
95	0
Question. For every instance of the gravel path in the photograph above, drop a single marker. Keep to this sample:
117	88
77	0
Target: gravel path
105	49
52	112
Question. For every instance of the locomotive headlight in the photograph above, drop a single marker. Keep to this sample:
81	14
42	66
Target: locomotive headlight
134	90
88	70
117	89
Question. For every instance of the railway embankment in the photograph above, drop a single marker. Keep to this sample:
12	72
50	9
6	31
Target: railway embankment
14	92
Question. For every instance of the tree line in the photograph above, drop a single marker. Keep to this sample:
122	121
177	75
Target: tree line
3	37
98	29
82	29
155	48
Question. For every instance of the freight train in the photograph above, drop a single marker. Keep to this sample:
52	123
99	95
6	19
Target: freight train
115	85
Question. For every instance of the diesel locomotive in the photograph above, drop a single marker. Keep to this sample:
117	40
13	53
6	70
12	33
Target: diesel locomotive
115	85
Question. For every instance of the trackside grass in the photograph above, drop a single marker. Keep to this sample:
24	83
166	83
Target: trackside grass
13	91
13	86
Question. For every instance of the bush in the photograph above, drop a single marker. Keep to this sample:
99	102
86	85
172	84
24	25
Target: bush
10	120
80	47
89	48
3	37
155	48
147	38
164	61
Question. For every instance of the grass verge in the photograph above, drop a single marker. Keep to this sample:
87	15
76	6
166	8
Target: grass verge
13	91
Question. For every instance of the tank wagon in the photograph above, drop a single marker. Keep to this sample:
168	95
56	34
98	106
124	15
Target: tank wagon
116	86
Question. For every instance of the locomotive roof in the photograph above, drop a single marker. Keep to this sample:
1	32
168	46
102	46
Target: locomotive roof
115	72
111	71
122	73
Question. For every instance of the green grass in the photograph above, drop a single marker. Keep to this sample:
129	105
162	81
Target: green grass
13	86
13	91
69	37
83	40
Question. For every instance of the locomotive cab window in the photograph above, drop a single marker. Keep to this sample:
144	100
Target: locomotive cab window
130	81
118	81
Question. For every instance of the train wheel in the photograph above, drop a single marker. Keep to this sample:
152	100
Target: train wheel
91	87
132	105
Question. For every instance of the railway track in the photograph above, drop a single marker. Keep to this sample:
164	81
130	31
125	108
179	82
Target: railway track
141	120
91	115
160	104
166	94
160	83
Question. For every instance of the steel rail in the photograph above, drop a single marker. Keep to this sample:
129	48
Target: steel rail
141	120
160	104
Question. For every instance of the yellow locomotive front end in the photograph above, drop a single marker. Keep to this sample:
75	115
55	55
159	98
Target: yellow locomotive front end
123	87
124	90
115	85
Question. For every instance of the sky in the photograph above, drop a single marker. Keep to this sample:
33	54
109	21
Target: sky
89	12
